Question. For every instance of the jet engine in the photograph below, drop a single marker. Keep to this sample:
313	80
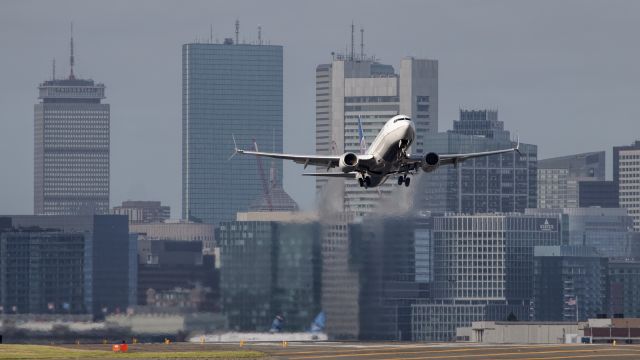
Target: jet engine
348	162
431	162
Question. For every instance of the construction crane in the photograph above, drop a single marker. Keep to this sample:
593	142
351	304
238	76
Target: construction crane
265	184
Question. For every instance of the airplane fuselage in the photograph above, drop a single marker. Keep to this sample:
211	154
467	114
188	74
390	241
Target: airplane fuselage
388	148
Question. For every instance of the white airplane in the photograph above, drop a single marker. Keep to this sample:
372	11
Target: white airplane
386	156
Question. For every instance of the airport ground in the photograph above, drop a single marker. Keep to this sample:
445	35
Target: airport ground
325	351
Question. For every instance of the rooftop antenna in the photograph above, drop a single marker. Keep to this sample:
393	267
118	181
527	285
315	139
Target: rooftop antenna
362	43
352	31
237	30
210	33
259	35
54	68
71	60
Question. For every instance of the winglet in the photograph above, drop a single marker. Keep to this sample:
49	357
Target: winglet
235	148
517	148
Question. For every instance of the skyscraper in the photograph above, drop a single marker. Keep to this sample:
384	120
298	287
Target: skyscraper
228	90
498	183
71	155
356	87
626	173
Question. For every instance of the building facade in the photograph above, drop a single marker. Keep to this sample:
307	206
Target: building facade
351	88
483	265
269	269
624	282
499	183
143	212
570	283
626	174
340	276
394	259
106	256
71	148
598	193
42	272
176	274
608	230
180	230
228	90
559	178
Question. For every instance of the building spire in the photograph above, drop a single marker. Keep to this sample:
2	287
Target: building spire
54	69
71	59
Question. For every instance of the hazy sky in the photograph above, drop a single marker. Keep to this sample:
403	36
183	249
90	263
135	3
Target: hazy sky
564	74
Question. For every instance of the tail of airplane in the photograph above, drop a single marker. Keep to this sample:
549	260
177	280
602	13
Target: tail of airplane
363	143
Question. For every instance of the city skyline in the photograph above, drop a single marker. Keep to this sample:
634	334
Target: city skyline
540	75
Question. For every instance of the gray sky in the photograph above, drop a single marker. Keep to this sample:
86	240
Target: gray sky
564	74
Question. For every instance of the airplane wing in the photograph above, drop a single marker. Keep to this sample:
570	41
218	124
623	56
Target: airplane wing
457	158
330	161
349	175
414	161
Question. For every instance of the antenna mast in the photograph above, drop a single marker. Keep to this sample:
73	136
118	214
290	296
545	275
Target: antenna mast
362	43
352	31
210	33
54	68
237	30
259	35
71	59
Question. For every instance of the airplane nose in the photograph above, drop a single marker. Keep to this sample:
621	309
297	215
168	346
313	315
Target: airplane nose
408	130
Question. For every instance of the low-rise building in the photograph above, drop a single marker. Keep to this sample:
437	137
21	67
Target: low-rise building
180	231
521	332
142	212
176	274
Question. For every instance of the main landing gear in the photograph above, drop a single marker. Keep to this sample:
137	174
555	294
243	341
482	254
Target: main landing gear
404	179
364	182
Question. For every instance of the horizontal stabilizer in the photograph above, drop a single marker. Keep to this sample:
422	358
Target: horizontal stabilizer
351	175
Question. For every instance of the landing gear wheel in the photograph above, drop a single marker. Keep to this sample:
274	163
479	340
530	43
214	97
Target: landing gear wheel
367	181
361	182
400	180
407	181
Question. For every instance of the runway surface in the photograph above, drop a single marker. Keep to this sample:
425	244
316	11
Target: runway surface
407	351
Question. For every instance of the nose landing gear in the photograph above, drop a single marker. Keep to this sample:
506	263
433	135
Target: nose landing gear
364	182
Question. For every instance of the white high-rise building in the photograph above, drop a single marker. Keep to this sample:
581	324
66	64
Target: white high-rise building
71	155
626	173
353	87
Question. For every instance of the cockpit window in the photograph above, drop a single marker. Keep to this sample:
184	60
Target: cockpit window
398	119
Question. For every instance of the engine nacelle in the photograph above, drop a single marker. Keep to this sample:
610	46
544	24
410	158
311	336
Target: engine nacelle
348	162
431	162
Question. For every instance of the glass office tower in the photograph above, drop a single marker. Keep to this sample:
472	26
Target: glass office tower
227	90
